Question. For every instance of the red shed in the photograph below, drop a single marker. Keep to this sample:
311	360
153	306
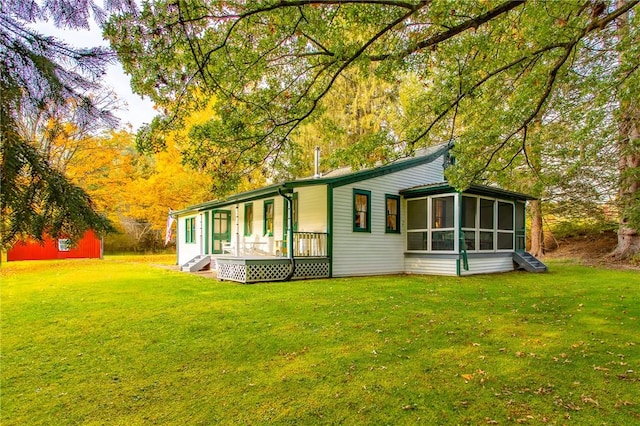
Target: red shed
90	246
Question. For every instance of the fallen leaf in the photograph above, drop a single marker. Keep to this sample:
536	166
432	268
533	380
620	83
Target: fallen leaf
588	400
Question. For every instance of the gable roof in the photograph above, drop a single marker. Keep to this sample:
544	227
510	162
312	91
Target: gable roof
444	187
336	178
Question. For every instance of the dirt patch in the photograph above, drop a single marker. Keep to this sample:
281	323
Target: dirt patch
592	249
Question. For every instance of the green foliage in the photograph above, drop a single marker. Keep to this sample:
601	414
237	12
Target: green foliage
272	68
537	96
142	345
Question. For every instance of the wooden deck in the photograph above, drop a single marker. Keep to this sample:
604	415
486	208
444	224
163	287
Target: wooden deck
254	269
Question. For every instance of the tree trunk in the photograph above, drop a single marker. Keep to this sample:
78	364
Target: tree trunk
629	190
537	233
629	162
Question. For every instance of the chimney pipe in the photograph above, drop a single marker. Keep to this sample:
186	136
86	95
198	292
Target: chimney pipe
316	162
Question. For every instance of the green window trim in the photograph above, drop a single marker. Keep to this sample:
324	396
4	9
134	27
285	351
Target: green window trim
190	230
361	210
267	218
392	218
248	219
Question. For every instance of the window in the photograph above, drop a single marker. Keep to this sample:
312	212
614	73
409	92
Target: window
469	221
417	214
248	219
267	224
361	211
505	226
190	230
486	213
486	224
64	244
505	216
442	216
442	219
417	232
469	208
417	240
392	206
431	230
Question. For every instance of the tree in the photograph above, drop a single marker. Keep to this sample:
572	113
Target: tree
43	77
493	73
355	122
628	120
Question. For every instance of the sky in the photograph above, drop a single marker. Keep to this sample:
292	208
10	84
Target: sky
135	110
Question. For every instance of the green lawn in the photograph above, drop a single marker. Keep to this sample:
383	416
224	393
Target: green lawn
120	342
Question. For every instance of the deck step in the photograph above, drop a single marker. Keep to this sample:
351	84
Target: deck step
529	263
198	263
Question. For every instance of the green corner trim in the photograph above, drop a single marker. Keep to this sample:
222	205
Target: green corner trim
330	228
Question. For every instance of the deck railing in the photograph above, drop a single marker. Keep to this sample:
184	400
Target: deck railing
309	244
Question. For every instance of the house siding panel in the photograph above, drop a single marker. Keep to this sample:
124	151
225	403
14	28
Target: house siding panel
258	235
502	262
312	206
425	265
190	250
375	252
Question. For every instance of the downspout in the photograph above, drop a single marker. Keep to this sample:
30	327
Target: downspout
290	255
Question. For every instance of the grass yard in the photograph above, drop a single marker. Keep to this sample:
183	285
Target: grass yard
121	342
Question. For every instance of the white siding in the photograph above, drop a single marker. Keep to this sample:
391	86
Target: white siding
265	244
312	217
187	251
487	265
430	265
361	253
312	208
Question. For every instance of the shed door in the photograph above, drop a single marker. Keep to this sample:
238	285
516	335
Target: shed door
221	230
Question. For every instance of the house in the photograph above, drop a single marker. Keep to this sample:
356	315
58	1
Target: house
89	246
402	217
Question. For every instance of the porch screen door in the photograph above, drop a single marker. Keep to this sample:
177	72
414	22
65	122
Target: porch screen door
221	230
520	227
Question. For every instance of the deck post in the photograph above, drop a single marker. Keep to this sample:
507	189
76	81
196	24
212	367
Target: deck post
237	248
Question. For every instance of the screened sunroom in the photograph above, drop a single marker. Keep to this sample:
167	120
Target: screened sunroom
478	226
